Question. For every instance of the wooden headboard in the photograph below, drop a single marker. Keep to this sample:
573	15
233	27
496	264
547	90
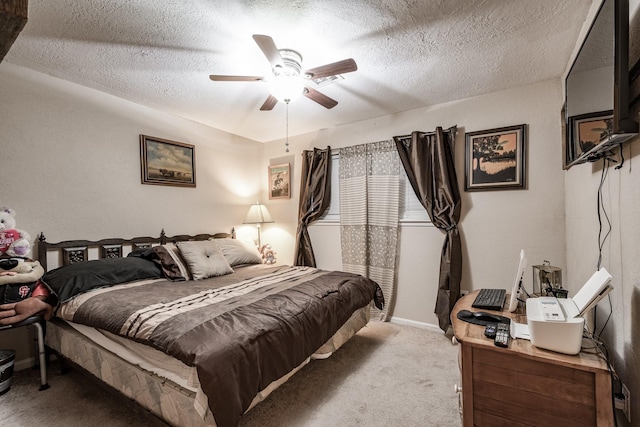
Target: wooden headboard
72	251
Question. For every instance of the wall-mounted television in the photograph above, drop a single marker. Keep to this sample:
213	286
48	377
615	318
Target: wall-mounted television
596	111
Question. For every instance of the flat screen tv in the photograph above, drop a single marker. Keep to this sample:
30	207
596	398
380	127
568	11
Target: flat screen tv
596	112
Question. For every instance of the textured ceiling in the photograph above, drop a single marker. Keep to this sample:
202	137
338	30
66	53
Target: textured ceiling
410	53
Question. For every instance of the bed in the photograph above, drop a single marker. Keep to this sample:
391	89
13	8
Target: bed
195	328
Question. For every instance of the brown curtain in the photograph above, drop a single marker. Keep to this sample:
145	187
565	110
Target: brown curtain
315	195
428	160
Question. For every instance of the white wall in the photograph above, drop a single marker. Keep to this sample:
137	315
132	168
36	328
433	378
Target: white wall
71	164
495	224
71	167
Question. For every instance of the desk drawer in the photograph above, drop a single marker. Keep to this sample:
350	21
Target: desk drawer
512	390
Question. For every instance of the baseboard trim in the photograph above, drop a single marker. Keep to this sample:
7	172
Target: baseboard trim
23	364
422	325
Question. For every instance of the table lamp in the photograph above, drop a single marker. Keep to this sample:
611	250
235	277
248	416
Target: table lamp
258	214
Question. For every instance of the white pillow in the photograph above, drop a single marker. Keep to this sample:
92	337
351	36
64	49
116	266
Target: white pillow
204	259
239	251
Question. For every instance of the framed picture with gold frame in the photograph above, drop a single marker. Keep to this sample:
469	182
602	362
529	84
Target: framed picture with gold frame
280	181
165	162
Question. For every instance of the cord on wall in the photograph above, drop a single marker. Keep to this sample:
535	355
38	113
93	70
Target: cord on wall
621	153
602	211
606	161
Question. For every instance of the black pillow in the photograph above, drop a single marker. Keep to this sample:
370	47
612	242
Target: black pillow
146	253
75	279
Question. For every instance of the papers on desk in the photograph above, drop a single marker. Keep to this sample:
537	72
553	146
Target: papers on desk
519	330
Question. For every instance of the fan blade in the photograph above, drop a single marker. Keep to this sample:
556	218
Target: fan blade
269	103
218	78
268	47
340	67
320	98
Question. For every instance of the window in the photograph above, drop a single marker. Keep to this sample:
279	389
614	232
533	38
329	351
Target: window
333	212
411	209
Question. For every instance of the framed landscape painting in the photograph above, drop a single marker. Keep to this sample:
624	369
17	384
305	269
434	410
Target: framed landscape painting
165	162
495	159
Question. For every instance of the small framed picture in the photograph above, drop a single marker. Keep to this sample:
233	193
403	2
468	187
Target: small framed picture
587	130
279	181
495	159
165	162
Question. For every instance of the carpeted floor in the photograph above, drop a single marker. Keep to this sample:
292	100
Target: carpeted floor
387	375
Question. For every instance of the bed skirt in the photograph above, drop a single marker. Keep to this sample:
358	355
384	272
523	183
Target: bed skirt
176	405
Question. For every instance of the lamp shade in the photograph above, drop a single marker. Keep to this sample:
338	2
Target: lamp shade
258	214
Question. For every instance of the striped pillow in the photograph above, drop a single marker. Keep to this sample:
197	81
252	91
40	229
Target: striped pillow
173	266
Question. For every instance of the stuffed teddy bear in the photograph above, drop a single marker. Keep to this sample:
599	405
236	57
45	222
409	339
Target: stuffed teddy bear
268	254
13	242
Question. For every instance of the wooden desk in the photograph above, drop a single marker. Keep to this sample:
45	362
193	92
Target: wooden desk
523	385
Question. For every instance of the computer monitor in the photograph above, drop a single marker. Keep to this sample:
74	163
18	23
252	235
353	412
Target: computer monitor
517	282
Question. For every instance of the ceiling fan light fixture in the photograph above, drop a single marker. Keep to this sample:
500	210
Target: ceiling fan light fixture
287	84
286	88
292	61
288	80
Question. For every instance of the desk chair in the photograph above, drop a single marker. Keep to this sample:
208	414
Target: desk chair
36	321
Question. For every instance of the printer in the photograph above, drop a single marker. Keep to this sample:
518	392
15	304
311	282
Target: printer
557	323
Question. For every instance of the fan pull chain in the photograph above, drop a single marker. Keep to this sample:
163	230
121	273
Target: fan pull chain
286	144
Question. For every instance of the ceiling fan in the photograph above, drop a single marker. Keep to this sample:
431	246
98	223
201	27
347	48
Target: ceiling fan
288	79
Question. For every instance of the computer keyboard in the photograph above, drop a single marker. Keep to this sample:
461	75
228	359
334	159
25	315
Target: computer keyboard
490	299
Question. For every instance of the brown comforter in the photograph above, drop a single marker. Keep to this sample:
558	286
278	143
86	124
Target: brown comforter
241	331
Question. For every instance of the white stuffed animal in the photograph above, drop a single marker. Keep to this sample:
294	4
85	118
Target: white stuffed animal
13	242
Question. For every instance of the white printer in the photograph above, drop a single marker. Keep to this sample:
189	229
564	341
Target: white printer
556	323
